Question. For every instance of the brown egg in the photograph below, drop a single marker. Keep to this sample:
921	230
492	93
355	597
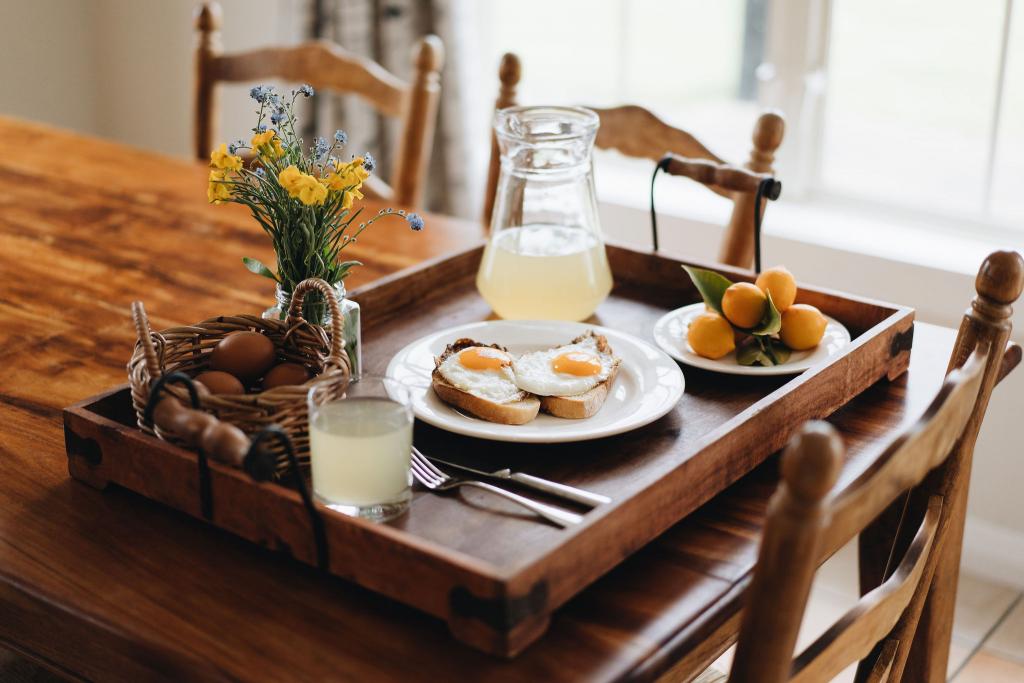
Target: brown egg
220	382
246	355
285	374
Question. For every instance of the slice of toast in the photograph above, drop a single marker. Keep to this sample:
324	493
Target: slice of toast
588	403
581	406
511	413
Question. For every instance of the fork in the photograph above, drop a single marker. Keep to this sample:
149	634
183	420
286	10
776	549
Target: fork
434	479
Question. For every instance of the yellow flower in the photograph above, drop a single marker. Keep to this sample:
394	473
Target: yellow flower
218	190
349	198
312	192
302	186
289	177
220	158
349	175
268	144
357	169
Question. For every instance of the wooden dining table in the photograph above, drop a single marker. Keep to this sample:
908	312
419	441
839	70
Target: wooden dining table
107	585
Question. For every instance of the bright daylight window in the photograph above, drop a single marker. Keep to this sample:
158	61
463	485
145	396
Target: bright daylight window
921	109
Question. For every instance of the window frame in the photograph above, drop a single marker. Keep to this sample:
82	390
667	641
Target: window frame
794	78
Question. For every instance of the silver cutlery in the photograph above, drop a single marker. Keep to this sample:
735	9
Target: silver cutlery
434	479
552	488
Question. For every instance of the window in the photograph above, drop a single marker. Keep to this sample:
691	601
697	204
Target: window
915	105
918	105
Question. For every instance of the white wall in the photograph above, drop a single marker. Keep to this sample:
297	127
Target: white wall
123	69
47	62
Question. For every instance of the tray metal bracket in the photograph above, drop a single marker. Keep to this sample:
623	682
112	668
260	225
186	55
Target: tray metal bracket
902	341
500	614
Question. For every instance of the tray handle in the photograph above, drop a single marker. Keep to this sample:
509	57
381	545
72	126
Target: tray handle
337	355
723	176
145	335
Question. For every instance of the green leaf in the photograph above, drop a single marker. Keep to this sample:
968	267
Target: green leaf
752	354
772	321
763	351
711	286
257	267
779	352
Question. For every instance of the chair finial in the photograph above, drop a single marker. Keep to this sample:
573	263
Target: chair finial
428	55
1001	277
811	463
769	130
208	17
510	70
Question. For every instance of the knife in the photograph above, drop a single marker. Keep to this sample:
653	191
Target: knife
536	483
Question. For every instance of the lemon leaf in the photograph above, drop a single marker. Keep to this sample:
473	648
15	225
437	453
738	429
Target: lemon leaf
779	352
710	285
772	321
763	351
752	354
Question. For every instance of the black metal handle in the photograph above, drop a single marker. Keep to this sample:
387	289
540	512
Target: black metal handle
315	520
768	188
202	464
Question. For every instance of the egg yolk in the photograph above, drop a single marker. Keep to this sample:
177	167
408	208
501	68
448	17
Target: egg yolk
576	363
479	358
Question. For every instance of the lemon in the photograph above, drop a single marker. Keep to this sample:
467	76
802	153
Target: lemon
710	335
803	326
780	283
744	304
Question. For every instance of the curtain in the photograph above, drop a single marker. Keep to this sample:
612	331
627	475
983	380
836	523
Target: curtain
386	31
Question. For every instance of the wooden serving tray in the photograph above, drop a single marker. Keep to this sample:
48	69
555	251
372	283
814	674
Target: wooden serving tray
494	574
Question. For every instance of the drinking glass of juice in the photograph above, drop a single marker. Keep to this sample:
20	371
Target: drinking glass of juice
360	446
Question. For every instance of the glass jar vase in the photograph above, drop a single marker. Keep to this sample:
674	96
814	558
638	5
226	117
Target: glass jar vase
316	311
545	258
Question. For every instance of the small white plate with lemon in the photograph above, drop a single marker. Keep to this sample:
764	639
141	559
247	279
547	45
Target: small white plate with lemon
741	321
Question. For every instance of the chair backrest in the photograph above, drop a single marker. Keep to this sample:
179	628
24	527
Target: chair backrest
325	65
809	517
636	132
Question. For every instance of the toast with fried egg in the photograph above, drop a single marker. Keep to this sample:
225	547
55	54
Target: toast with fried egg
478	379
573	380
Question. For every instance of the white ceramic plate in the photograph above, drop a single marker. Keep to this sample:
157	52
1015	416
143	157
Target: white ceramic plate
670	334
648	384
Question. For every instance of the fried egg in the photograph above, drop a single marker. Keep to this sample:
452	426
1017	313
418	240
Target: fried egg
568	370
484	372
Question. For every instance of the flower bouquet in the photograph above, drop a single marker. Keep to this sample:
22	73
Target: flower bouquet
304	199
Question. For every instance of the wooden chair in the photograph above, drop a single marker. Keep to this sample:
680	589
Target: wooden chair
926	470
325	65
636	132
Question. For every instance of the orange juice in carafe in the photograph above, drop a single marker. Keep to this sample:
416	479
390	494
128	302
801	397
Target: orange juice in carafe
544	272
545	259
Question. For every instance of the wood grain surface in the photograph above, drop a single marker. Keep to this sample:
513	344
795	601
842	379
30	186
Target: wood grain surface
110	586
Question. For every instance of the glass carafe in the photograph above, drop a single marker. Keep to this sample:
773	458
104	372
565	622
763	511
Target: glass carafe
545	259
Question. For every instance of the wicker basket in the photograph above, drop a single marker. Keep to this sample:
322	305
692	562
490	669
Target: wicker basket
187	349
